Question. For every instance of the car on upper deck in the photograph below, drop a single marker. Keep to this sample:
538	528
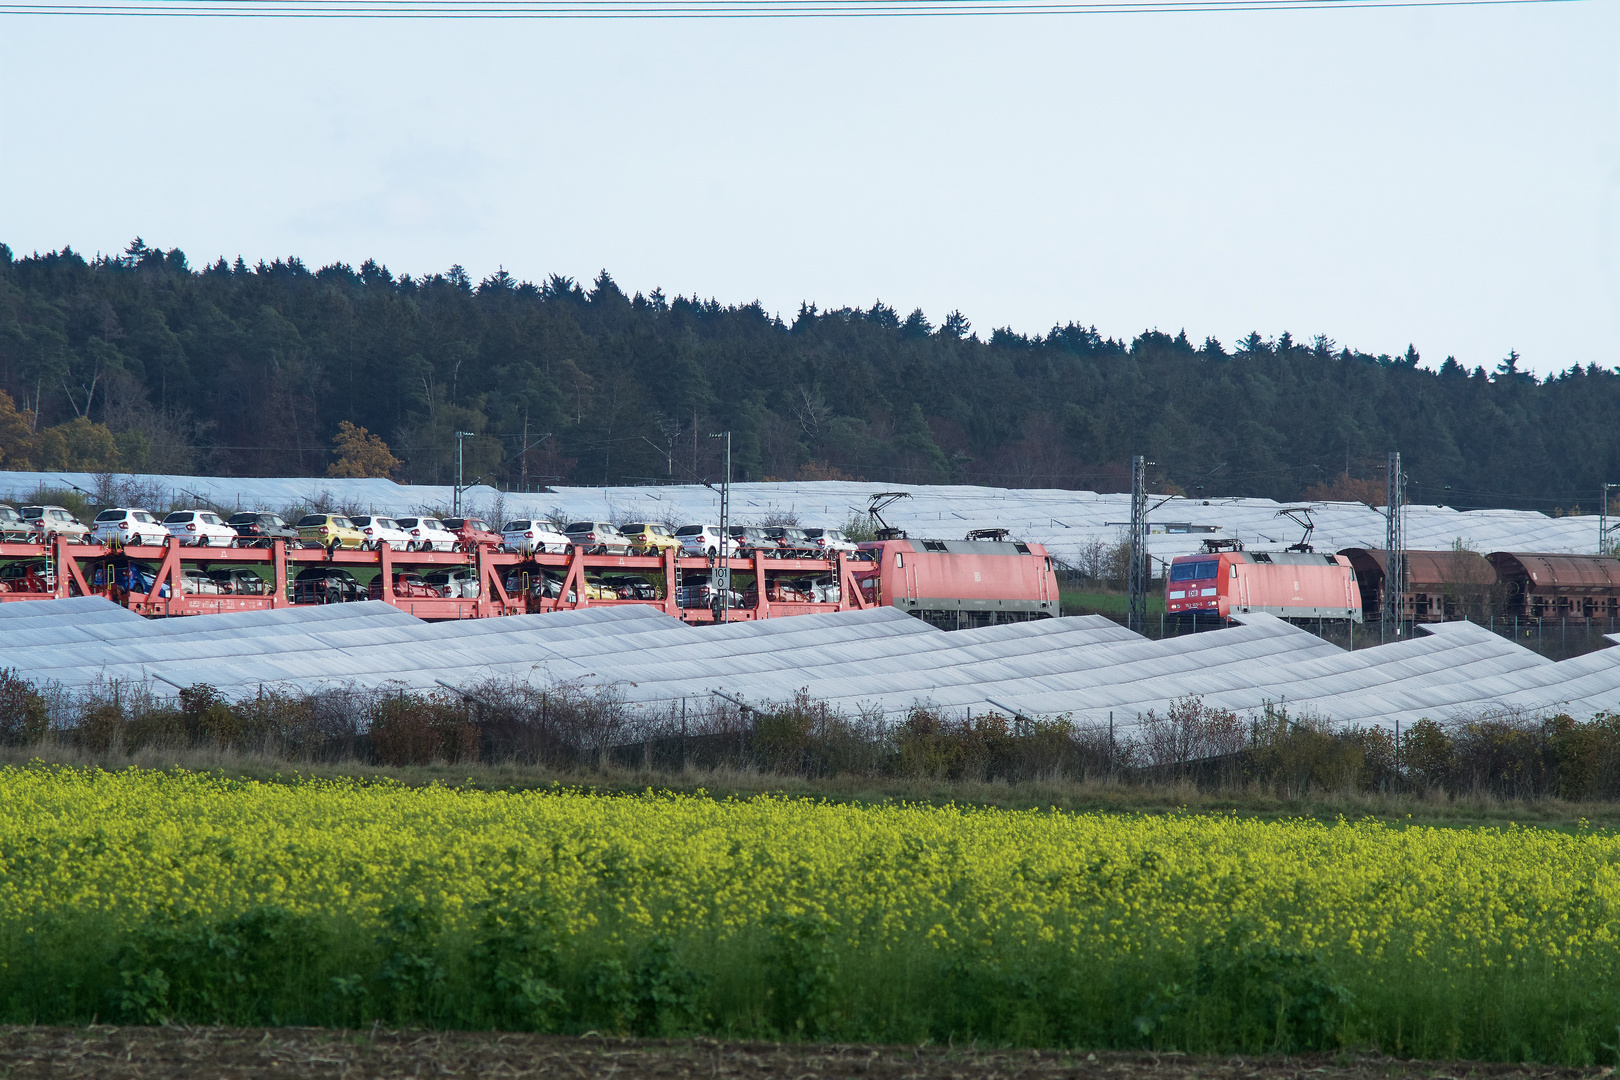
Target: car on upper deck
13	528
261	528
330	531
531	536
200	528
427	534
129	526
704	541
649	537
828	541
752	538
473	533
381	530
597	538
49	522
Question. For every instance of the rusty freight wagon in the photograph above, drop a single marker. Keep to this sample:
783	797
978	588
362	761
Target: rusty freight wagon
1462	584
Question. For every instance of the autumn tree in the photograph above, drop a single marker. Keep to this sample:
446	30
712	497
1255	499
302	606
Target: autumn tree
360	453
1347	488
80	445
16	434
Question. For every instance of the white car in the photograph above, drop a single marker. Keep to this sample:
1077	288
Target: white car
426	534
199	528
50	522
831	540
130	526
195	581
456	581
528	535
380	531
703	540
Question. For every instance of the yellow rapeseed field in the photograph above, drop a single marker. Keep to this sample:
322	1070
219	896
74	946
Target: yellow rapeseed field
770	916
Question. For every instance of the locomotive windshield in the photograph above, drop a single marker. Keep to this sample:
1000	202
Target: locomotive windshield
1194	571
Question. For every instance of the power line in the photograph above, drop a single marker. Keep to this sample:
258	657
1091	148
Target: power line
699	9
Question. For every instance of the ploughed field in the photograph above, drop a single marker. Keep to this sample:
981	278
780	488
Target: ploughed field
145	898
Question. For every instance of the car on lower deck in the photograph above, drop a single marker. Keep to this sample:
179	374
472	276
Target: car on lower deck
238	581
326	585
199	583
130	576
456	582
705	595
34	576
406	586
629	587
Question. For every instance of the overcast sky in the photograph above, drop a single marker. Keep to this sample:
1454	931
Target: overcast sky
1446	177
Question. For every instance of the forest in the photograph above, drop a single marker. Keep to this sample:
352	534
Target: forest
140	362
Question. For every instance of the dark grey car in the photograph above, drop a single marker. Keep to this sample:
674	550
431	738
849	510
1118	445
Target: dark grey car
259	528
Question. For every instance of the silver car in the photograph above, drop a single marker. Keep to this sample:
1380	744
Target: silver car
50	522
455	582
598	538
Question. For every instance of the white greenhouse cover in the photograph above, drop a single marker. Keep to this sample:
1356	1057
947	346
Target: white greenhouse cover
1087	668
1065	521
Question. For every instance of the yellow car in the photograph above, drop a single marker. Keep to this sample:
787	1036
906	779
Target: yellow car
649	538
595	590
329	530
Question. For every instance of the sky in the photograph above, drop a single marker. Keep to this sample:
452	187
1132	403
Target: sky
1446	177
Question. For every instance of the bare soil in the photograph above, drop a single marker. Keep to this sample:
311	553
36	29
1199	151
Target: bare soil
183	1052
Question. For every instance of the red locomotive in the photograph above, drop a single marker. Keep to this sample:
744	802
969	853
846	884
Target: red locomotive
1289	584
956	584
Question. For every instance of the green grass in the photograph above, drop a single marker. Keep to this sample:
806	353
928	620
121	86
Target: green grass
1105	603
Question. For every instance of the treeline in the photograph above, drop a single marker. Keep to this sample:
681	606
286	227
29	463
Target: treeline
1497	752
140	362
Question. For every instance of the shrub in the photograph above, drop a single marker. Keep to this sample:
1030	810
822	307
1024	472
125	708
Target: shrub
1426	755
409	729
24	717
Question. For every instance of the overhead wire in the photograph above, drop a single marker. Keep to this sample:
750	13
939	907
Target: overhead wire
698	9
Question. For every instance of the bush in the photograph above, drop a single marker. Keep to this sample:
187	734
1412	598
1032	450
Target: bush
1496	752
24	716
1298	754
409	729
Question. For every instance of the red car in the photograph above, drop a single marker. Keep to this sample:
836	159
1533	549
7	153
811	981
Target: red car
472	533
410	586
